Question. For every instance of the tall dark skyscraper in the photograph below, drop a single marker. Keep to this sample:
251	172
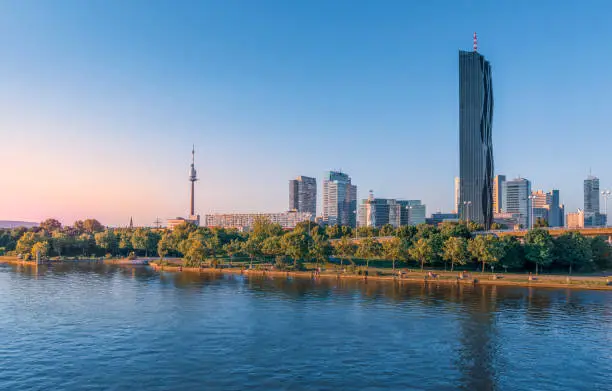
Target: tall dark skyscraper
303	195
475	138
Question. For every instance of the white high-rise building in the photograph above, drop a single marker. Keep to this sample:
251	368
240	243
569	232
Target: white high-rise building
457	194
339	199
516	200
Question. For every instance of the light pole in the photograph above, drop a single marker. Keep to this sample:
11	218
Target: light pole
606	194
531	198
466	206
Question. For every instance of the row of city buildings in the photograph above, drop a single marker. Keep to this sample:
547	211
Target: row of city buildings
480	196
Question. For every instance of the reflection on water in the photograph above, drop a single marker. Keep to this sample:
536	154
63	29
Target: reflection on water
104	326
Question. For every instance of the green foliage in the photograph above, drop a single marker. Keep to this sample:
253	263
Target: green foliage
51	225
320	249
387	230
455	251
453	229
395	249
296	245
333	231
40	248
539	247
407	232
344	249
272	246
368	248
195	254
573	250
422	252
486	249
514	255
26	242
602	253
106	240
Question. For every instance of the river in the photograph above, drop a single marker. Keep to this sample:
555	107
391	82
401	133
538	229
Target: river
102	327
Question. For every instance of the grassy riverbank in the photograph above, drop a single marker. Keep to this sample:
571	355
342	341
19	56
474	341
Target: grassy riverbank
414	276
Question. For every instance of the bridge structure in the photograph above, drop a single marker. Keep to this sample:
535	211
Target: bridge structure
520	233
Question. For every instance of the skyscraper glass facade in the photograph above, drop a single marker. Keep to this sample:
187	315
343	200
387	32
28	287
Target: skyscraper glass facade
339	199
303	195
475	138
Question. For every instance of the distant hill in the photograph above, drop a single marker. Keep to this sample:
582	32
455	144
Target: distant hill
14	224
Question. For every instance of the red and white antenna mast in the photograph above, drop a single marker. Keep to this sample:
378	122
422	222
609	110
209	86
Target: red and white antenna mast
475	42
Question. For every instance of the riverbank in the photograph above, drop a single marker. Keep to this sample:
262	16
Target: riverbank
548	281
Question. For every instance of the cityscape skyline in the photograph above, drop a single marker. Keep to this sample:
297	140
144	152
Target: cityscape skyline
86	116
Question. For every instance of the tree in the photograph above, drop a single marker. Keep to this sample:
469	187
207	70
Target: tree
59	241
421	251
387	230
514	256
456	251
106	240
40	248
320	250
263	228
407	232
233	248
92	226
333	231
26	242
51	225
164	246
425	231
296	245
486	249
572	249
144	240
85	242
344	248
602	253
453	229
364	232
195	253
539	247
252	248
394	249
272	246
125	242
368	248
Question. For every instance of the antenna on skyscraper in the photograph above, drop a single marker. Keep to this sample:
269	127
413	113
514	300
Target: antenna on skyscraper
475	42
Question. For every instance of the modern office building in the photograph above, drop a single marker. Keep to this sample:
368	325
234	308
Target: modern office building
539	207
592	215
339	199
412	212
439	217
516	200
475	137
244	221
303	195
575	220
555	209
498	185
376	212
457	195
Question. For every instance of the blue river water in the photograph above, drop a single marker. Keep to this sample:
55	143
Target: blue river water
100	327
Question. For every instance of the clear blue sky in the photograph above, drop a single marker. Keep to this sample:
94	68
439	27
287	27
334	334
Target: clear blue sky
101	100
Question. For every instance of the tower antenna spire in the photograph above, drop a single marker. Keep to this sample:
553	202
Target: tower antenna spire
475	42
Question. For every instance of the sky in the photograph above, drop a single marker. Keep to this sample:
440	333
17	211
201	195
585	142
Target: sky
101	101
